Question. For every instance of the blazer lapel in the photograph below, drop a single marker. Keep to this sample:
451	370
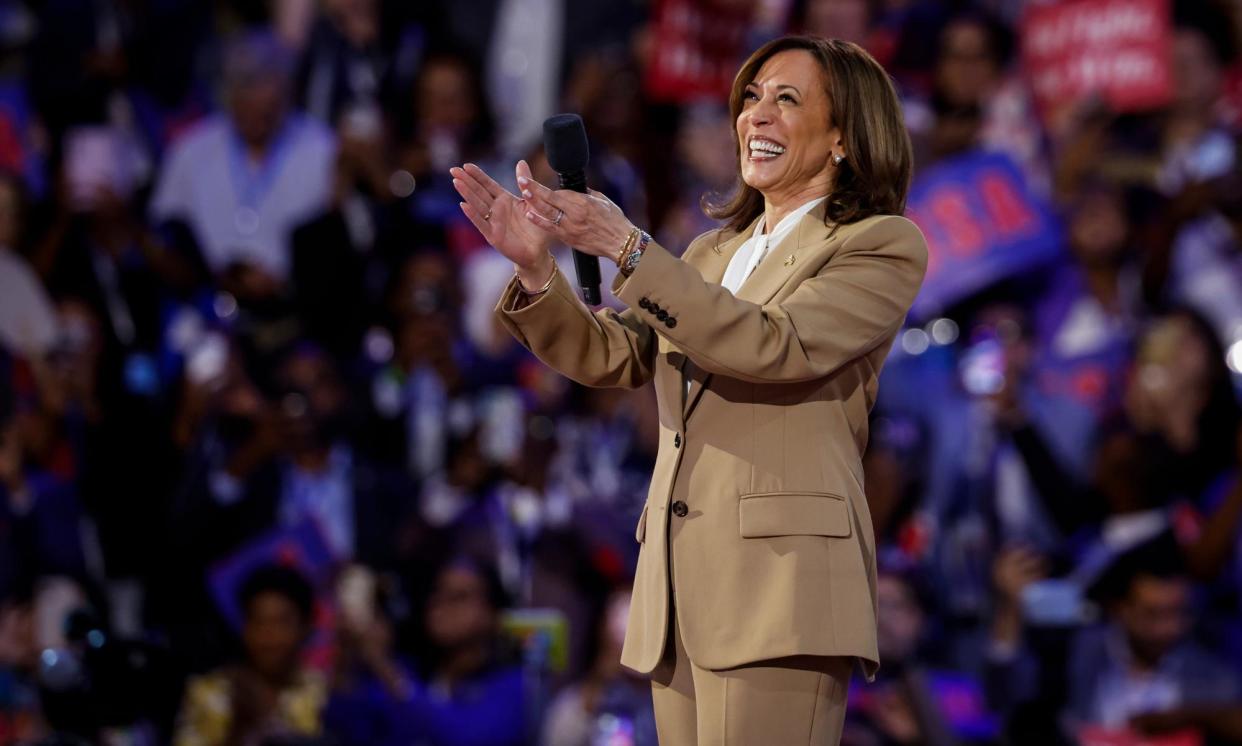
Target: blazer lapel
773	271
786	258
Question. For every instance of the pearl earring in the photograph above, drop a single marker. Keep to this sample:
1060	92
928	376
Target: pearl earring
836	159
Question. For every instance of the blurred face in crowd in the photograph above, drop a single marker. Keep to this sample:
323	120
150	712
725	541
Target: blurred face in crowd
786	129
900	620
966	72
1172	384
273	634
446	97
1155	616
358	20
314	400
258	107
840	19
1197	76
458	612
1099	228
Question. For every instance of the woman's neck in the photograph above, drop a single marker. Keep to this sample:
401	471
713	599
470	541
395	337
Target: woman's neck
778	207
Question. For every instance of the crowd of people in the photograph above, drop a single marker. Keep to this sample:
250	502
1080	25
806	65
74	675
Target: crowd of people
271	473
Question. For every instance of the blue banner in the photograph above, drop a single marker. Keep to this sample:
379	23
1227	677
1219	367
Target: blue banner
983	224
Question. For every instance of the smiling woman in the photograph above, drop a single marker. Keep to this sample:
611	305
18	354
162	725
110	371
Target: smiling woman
755	591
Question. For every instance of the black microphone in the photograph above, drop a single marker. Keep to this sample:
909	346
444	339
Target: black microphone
565	142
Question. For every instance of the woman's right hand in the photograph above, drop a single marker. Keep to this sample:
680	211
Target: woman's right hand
501	217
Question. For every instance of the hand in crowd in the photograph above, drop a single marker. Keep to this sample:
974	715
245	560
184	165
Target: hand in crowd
1015	569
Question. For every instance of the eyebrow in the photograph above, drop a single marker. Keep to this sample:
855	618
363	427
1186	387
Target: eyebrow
783	86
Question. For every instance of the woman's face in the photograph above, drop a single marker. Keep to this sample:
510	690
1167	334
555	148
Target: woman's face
273	633
785	128
458	612
966	72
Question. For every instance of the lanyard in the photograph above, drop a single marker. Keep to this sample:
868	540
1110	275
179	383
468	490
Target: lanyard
252	185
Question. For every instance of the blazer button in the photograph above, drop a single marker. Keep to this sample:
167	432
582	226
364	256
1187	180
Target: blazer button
670	322
677	440
680	509
661	314
643	303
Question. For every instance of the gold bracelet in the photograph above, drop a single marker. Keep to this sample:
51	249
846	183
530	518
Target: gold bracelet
540	291
628	246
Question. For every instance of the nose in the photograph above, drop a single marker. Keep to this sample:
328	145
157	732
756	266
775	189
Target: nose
761	112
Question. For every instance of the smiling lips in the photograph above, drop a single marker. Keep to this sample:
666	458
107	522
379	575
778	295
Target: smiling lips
763	149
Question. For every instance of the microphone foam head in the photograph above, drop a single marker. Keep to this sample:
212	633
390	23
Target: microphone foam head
565	141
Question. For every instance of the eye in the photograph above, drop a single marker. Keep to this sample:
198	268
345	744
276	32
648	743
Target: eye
750	95
786	97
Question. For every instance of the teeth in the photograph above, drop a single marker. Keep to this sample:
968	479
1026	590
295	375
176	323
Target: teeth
765	146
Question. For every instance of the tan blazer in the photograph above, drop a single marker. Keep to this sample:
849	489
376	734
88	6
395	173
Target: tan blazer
758	482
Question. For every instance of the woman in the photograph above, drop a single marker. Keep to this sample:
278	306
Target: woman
755	586
269	695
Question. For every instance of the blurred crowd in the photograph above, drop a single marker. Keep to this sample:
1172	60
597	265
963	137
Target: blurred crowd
270	473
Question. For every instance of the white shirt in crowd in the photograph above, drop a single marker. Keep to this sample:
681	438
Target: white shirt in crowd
242	211
28	322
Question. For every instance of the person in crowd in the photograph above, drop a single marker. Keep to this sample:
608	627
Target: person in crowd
28	324
267	694
975	102
609	702
359	52
916	698
243	180
469	690
1142	659
295	462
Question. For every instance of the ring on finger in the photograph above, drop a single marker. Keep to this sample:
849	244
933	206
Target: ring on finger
559	214
488	216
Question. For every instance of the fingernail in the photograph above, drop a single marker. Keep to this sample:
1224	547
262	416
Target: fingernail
526	193
523	180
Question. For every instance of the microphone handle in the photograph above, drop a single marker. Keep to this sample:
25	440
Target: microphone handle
585	266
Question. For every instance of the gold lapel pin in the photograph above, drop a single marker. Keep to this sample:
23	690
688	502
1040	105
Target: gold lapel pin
789	260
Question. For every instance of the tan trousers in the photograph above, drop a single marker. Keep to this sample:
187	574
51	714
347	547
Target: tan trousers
797	701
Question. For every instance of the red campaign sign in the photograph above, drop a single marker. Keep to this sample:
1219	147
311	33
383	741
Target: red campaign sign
1120	50
696	46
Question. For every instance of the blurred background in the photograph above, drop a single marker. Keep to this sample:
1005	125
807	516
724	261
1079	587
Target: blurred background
270	473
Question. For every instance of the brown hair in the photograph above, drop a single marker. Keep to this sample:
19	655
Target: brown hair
875	175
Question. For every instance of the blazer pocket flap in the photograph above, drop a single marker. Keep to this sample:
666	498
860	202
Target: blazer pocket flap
793	514
640	532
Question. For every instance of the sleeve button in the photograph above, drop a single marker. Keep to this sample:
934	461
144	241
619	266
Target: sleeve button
643	303
661	314
670	322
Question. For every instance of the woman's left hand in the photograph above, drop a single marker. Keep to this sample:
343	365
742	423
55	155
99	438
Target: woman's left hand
590	223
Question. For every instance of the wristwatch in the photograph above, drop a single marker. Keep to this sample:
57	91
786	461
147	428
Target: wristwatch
630	261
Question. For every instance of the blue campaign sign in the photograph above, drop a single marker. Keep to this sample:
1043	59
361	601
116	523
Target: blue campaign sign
983	224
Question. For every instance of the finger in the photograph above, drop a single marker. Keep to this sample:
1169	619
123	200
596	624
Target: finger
543	222
475	195
475	181
541	196
522	171
484	227
488	184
